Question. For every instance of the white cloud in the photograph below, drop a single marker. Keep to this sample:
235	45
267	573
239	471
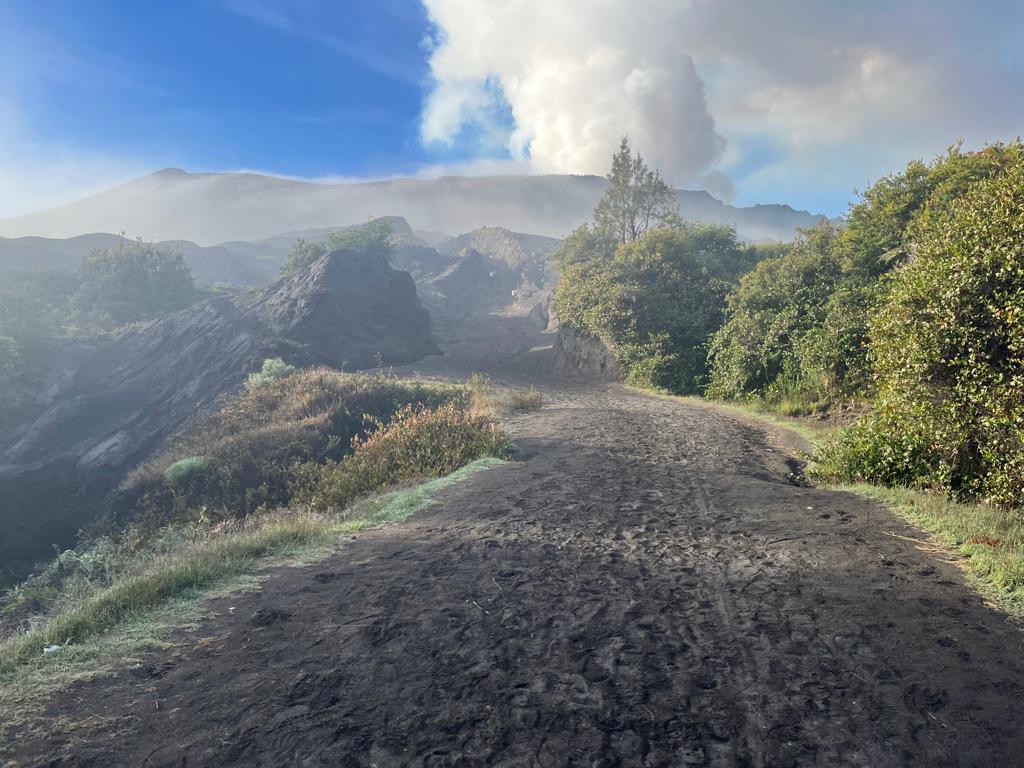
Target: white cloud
576	75
817	97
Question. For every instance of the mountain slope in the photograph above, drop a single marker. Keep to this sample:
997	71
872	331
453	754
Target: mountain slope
234	263
215	207
106	404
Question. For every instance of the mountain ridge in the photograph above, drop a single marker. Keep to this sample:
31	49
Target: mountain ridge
213	208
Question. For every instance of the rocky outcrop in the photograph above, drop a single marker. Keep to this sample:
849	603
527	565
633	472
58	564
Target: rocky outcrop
578	356
107	405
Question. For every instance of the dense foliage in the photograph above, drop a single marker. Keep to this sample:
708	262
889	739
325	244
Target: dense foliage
374	237
131	282
947	345
797	328
913	306
763	345
656	300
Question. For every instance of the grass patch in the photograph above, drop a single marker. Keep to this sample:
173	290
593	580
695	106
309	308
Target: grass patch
101	631
812	431
484	397
201	565
524	400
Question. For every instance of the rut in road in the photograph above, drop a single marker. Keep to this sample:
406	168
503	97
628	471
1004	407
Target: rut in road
644	587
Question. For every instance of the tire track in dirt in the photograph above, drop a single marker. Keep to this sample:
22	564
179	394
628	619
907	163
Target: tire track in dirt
643	588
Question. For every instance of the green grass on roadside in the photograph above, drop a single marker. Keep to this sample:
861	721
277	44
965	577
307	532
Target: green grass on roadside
97	634
814	433
987	542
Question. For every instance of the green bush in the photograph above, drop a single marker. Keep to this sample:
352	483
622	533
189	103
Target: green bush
418	442
772	318
273	369
947	345
657	299
133	281
374	237
187	471
797	328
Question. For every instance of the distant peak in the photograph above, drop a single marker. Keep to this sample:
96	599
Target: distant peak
170	173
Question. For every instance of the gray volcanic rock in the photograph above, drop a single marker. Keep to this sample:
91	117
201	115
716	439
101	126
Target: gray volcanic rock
109	404
578	356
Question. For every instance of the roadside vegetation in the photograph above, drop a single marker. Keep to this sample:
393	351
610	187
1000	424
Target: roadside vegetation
286	464
903	326
485	397
648	283
373	237
102	628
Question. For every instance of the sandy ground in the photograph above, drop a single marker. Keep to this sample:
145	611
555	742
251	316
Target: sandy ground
644	587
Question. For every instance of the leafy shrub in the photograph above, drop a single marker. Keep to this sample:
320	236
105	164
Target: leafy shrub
948	349
192	481
186	472
418	442
657	299
273	369
770	313
374	237
797	328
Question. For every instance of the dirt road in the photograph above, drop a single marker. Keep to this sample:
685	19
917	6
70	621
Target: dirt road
644	588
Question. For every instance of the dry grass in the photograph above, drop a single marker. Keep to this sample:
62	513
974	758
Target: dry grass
523	400
485	397
101	631
249	447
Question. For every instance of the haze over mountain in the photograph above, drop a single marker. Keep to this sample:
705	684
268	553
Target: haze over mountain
208	208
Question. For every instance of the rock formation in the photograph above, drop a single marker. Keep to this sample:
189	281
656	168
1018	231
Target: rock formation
578	356
108	404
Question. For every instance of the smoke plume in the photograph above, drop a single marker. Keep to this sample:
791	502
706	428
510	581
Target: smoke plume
576	76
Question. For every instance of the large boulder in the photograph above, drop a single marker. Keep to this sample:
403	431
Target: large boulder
107	405
580	356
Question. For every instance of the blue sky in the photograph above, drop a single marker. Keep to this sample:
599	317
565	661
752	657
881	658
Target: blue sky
336	89
796	101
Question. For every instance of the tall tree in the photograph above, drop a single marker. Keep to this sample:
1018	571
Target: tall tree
636	200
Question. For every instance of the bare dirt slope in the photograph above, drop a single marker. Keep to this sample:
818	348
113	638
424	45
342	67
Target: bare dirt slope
644	588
